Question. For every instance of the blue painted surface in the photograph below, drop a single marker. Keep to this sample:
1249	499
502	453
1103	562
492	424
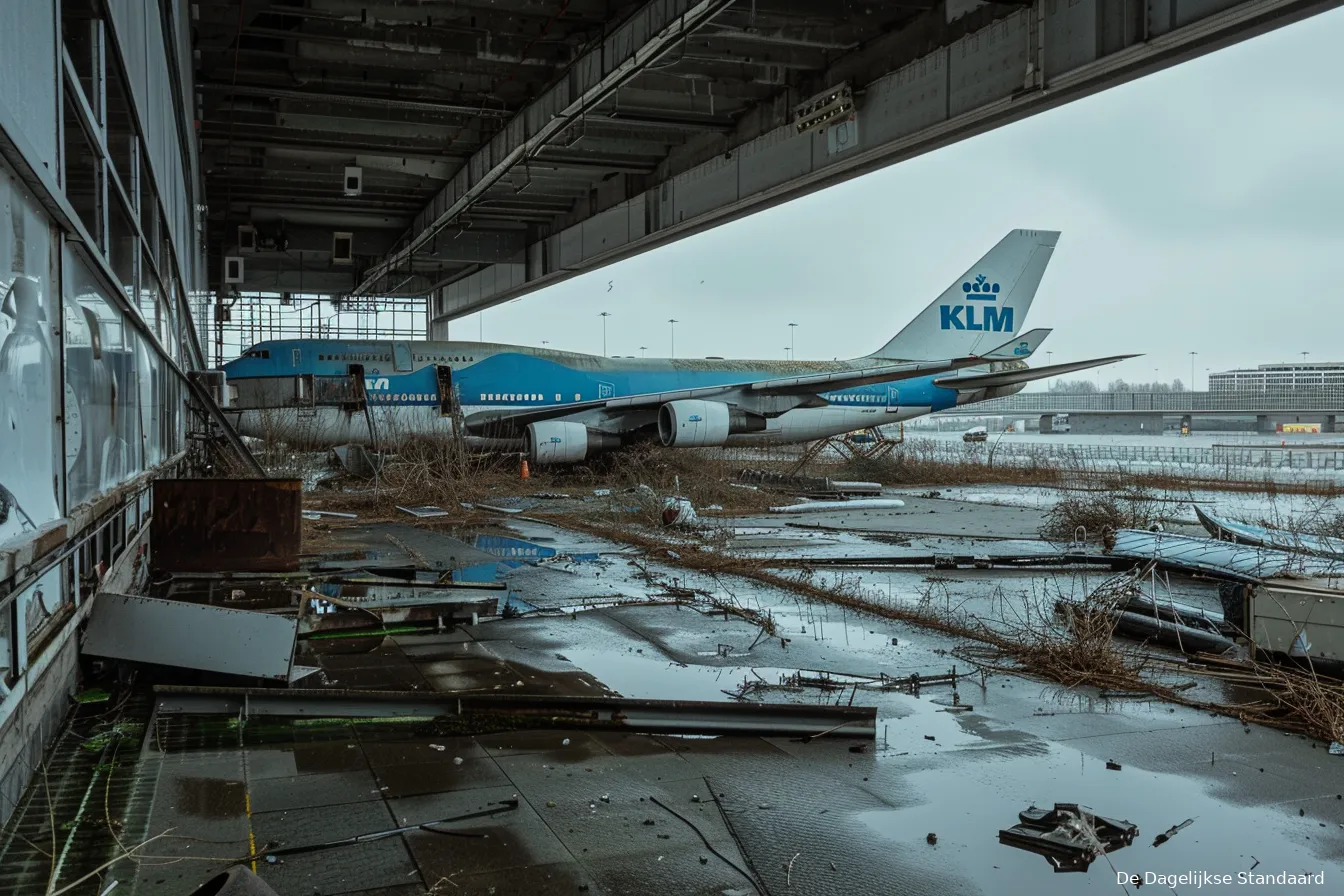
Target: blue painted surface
492	376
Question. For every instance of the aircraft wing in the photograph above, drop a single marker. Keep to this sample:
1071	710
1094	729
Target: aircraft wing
1013	377
506	423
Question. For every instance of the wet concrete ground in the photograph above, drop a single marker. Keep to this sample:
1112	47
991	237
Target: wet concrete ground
779	816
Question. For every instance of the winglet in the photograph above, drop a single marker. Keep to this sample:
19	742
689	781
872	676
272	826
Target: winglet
1018	349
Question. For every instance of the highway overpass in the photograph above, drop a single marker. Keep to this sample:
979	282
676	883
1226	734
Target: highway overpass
1143	408
476	151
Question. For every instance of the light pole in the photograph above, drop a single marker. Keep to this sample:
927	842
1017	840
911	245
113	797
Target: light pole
1304	357
787	350
480	326
673	322
604	317
793	352
1192	370
643	351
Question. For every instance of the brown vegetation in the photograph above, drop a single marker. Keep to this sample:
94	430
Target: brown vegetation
1084	515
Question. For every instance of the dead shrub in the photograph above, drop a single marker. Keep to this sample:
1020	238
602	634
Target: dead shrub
1092	514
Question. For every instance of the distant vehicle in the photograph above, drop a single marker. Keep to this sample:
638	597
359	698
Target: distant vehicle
864	436
563	407
975	434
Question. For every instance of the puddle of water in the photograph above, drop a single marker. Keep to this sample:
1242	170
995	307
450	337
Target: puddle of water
905	723
639	676
967	809
213	798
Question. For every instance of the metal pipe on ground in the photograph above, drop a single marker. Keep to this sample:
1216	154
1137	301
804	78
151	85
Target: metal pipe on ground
481	713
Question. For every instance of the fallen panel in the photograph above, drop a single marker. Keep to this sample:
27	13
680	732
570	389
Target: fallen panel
191	636
236	525
1219	558
859	504
1263	536
429	511
511	712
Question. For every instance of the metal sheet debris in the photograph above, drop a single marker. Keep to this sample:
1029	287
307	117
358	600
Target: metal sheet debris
318	514
243	525
507	711
1070	836
1263	536
859	504
427	512
191	636
1220	558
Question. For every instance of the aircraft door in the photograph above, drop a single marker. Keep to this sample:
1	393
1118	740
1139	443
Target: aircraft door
447	397
401	356
893	399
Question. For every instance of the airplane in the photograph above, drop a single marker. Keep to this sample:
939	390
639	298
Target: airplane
564	407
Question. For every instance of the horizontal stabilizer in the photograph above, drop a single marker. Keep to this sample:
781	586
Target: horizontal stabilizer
1018	349
1013	377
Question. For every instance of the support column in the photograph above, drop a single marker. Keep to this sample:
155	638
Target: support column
1047	423
1263	424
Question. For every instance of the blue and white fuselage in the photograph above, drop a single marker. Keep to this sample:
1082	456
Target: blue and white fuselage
515	379
561	407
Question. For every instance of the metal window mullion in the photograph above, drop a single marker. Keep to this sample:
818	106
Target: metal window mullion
112	46
76	89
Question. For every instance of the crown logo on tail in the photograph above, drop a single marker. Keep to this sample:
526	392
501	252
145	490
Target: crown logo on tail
980	290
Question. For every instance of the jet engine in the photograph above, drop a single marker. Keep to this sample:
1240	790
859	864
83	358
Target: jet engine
702	424
565	442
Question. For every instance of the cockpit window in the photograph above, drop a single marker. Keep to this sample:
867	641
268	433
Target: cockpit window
258	353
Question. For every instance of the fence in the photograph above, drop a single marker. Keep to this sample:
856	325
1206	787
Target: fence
1328	400
1244	463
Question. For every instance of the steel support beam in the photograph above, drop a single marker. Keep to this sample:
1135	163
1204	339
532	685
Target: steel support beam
603	713
591	80
910	104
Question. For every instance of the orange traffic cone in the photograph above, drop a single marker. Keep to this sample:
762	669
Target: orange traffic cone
523	473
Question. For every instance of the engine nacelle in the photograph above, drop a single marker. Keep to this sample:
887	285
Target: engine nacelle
565	442
702	424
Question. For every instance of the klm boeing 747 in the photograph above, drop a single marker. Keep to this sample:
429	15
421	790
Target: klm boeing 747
563	407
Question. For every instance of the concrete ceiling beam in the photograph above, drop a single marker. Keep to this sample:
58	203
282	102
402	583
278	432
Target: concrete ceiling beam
652	31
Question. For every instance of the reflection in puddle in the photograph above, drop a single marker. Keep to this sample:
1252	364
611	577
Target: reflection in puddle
967	809
514	552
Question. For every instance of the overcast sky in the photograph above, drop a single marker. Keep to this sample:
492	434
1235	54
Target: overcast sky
1202	209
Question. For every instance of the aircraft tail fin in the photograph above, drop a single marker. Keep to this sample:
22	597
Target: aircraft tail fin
983	307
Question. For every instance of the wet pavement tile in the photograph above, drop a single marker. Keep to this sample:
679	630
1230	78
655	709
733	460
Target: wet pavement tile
310	791
346	868
438	777
557	879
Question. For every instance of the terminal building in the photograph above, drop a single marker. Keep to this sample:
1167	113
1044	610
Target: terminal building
161	160
1280	378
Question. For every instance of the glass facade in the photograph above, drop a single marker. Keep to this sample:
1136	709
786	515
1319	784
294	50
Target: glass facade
30	312
92	319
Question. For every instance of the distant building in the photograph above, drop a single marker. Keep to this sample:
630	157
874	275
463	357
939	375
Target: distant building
1280	378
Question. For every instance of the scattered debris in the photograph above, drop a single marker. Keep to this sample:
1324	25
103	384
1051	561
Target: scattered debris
429	511
859	504
679	512
311	514
1171	832
1069	836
